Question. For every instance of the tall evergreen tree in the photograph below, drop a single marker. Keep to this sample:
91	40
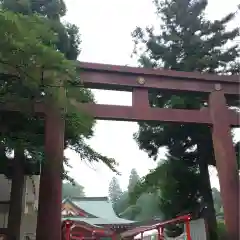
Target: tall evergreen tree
184	41
133	180
144	208
114	191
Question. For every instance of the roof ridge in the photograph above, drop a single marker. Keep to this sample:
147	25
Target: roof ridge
90	198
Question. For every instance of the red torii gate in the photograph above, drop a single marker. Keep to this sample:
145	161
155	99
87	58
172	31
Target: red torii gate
139	81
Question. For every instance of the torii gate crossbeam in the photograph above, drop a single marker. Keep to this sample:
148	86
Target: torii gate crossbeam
139	81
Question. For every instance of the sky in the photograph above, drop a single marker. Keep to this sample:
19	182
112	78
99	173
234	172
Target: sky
106	28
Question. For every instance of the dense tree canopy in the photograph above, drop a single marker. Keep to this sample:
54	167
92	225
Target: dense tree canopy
37	50
185	41
146	206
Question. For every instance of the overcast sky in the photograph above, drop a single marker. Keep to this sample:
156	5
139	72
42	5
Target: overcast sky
106	27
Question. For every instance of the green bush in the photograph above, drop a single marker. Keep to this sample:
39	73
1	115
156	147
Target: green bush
221	230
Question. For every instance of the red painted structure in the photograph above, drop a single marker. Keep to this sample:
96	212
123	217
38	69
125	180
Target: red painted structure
130	234
139	81
73	231
81	231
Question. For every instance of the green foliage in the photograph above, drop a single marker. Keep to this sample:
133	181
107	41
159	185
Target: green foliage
72	191
133	180
144	208
122	204
131	212
23	53
186	41
149	206
36	55
221	230
164	181
114	190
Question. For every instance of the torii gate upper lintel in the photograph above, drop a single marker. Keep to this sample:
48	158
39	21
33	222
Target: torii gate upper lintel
140	81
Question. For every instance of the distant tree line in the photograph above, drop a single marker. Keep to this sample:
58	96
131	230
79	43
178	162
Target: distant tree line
147	205
72	190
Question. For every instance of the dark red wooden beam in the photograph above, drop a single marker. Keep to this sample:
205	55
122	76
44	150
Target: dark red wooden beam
98	67
111	77
129	113
132	113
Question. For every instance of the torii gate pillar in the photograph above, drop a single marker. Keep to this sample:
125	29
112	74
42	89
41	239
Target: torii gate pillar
226	162
50	193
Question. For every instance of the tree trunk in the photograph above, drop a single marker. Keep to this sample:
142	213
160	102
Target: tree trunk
207	196
16	197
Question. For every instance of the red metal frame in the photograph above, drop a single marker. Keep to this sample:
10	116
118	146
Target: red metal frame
140	81
160	228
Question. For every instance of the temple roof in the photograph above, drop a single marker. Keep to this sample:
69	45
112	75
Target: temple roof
98	211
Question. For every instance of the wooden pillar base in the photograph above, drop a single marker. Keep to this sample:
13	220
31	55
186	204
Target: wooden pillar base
226	163
50	195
